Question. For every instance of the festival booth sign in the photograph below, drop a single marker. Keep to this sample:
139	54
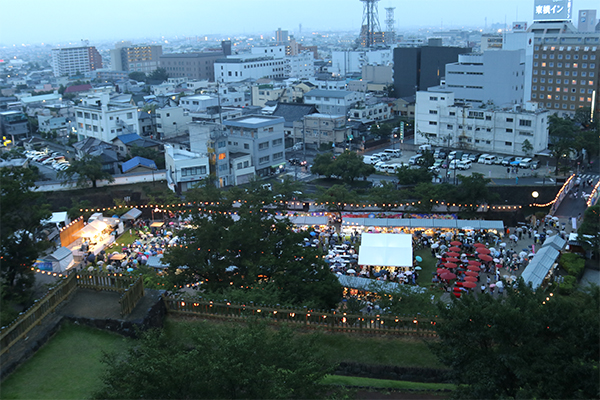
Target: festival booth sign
386	250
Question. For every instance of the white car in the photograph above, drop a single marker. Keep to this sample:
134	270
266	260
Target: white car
464	164
482	157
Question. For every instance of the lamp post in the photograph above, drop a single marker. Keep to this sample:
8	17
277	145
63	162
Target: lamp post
155	210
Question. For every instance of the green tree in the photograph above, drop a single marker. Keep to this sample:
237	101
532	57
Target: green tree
150	154
473	190
385	196
255	246
527	147
588	233
528	344
207	363
158	75
322	164
21	212
561	133
337	198
137	76
349	166
412	176
89	168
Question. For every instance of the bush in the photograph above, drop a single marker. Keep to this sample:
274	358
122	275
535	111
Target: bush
572	263
568	285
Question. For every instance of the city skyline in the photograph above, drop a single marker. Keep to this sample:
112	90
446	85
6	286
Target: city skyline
61	21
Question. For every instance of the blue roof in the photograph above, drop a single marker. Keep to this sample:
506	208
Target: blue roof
328	93
129	138
136	162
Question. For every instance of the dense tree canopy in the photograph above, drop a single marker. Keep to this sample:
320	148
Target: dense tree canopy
347	166
21	210
589	230
89	168
412	176
525	345
249	247
205	363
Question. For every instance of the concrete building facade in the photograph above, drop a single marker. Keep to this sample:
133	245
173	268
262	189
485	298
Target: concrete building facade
492	77
335	102
440	121
198	66
136	58
96	117
69	61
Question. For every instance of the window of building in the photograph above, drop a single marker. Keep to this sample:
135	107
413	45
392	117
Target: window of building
508	143
524	122
509	130
277	142
246	146
449	126
488	117
263	145
87	115
95	117
129	115
277	156
433	98
432	111
509	120
263	160
452	113
432	123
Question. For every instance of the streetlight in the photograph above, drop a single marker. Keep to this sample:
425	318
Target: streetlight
535	194
155	210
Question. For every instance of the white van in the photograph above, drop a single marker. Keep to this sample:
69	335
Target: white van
481	159
381	167
391	168
424	147
489	160
414	159
383	156
393	152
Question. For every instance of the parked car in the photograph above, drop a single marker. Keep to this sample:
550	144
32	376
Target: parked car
465	156
507	160
464	164
414	159
481	159
474	157
489	160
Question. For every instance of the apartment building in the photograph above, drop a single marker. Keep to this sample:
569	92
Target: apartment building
239	68
96	117
171	121
135	58
441	121
317	129
336	102
185	168
196	66
69	61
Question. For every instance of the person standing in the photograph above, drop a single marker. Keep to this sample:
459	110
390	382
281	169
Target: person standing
483	289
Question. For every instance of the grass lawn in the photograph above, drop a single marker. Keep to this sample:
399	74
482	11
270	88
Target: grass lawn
428	265
67	367
125	239
384	383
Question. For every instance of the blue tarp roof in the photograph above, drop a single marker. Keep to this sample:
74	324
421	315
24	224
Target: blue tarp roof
138	161
373	285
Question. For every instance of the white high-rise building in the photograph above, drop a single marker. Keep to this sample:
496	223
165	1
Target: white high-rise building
70	61
97	117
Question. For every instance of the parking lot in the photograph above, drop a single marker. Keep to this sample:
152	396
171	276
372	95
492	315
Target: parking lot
489	171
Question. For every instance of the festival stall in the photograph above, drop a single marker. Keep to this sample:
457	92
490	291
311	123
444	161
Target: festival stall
59	261
387	251
540	270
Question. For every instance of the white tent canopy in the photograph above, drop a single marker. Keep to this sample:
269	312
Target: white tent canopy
58	261
386	250
92	229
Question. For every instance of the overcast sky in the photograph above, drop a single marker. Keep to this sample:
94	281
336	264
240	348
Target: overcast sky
50	21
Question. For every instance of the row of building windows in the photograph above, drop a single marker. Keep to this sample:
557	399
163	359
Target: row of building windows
560	73
564	81
201	170
567	48
567	65
565	98
564	89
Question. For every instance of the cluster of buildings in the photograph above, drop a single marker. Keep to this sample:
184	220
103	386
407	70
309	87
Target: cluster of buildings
233	109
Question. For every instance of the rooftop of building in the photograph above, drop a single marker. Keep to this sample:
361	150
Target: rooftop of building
329	93
253	121
138	162
191	55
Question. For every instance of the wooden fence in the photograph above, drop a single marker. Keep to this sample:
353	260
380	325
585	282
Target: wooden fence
131	296
131	287
33	316
313	319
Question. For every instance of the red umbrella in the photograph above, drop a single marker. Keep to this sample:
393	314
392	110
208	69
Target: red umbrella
459	283
470	279
474	262
456	249
471	273
452	254
450	265
442	270
479	245
473	268
456	289
456	243
470	285
482	250
457	294
448	276
485	257
452	259
499	265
